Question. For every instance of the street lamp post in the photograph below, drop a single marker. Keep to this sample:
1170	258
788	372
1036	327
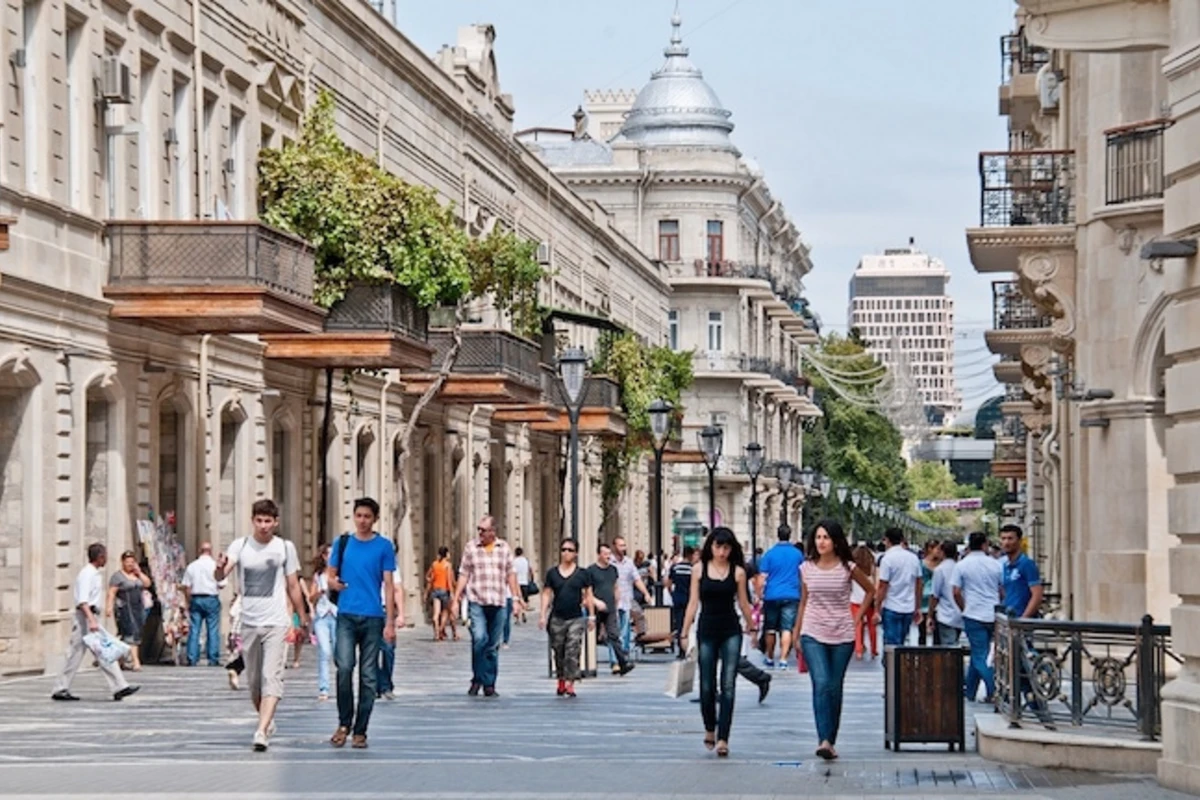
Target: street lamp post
826	487
784	473
855	503
572	368
711	440
660	427
808	477
754	465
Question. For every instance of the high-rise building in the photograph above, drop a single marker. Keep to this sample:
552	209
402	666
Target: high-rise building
899	304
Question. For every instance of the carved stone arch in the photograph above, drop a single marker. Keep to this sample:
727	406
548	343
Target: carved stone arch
233	404
285	418
173	394
105	380
1149	352
16	367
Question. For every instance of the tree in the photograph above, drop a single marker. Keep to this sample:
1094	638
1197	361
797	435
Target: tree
932	480
995	495
369	226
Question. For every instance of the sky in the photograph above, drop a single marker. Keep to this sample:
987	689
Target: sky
867	116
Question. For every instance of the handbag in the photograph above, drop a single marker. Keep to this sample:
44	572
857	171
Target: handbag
105	647
340	548
681	677
532	588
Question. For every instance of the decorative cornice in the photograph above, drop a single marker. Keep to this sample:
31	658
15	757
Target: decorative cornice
1041	237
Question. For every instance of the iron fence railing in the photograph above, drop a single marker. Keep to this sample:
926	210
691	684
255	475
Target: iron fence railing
1082	673
1012	310
600	391
1018	56
379	308
1134	162
209	253
491	352
1031	187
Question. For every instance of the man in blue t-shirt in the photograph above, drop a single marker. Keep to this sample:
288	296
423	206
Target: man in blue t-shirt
780	567
360	566
1022	582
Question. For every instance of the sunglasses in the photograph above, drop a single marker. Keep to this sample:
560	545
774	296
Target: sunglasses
568	549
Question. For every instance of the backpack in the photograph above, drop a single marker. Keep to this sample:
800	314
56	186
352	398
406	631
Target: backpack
340	549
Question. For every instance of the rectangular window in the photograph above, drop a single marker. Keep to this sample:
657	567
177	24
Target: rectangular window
77	105
148	140
673	329
237	154
668	240
30	95
716	241
208	191
716	331
181	178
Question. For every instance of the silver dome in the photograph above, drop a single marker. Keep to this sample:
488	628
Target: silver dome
677	108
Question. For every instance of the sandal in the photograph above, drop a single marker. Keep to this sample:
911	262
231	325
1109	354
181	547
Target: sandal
339	737
359	742
710	740
826	753
722	749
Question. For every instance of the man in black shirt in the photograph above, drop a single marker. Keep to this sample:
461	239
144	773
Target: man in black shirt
606	594
566	590
679	583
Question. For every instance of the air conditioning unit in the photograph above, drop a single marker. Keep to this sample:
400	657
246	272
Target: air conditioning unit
229	165
543	253
115	84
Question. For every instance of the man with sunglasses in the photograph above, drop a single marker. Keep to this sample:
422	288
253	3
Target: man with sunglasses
566	591
486	569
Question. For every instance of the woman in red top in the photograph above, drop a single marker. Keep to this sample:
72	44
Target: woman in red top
825	626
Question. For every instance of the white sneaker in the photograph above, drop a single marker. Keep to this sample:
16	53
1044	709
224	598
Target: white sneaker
271	729
260	742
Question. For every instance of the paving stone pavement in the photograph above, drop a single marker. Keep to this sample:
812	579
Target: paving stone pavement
186	735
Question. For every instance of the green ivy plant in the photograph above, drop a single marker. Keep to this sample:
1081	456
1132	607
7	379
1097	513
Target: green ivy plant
505	266
644	374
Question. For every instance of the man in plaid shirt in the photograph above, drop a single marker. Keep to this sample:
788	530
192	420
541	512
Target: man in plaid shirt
485	571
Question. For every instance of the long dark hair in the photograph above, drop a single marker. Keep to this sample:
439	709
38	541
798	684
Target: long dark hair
723	536
841	547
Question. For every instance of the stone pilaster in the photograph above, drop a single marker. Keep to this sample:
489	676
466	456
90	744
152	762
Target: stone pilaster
67	549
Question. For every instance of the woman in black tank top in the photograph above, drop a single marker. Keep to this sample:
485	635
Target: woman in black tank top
719	582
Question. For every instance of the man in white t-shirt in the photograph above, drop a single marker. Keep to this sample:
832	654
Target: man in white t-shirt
524	571
267	578
203	606
899	590
89	609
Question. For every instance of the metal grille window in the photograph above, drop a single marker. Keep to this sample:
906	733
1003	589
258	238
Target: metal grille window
1034	187
1018	56
1134	162
1012	310
668	240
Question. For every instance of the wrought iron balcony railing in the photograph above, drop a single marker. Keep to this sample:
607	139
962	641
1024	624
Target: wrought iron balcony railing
1032	187
1012	310
1134	162
379	308
600	391
1083	673
1018	56
209	253
491	352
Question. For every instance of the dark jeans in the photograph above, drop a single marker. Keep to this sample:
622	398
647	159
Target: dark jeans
752	673
947	635
610	624
508	605
895	626
358	639
208	611
827	667
979	634
387	664
487	629
729	652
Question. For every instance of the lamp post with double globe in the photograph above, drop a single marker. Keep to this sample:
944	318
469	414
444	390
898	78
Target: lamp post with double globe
711	440
572	369
660	429
754	465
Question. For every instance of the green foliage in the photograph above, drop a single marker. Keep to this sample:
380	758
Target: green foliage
644	374
850	444
369	226
995	493
930	480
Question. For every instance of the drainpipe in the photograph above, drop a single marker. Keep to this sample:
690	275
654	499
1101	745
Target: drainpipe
469	455
198	98
1060	538
202	412
384	451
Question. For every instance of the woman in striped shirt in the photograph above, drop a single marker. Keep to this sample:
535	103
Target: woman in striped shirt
824	625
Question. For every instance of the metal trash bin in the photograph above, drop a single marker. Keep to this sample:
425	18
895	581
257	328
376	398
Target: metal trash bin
923	697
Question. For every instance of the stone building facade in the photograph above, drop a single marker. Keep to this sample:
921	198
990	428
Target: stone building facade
662	161
1094	210
152	113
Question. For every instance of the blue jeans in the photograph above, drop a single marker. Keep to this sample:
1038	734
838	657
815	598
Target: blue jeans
487	630
827	665
325	629
385	667
729	652
507	619
358	639
206	610
896	626
622	622
979	635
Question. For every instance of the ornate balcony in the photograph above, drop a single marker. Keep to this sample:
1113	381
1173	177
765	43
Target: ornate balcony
211	277
600	415
1133	162
1020	63
372	327
1016	320
492	367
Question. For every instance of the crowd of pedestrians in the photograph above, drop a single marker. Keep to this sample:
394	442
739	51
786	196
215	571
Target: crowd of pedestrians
820	598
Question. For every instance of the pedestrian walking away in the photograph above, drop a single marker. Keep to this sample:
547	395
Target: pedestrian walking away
943	609
202	596
899	589
324	620
484	574
931	558
606	595
127	594
718	583
439	585
780	568
865	629
385	684
360	571
629	584
679	586
566	592
825	624
978	587
88	594
524	571
267	569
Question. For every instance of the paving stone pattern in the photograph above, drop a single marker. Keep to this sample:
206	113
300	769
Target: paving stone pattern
187	735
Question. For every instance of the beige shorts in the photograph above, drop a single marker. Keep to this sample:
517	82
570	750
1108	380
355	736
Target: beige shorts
265	652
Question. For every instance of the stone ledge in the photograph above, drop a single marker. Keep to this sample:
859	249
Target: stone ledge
1037	747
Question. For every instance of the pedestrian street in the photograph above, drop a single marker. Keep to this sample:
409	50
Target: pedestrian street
186	734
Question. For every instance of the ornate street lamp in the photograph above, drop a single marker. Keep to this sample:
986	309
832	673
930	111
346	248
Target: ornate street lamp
754	465
711	441
826	486
660	429
572	369
785	471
